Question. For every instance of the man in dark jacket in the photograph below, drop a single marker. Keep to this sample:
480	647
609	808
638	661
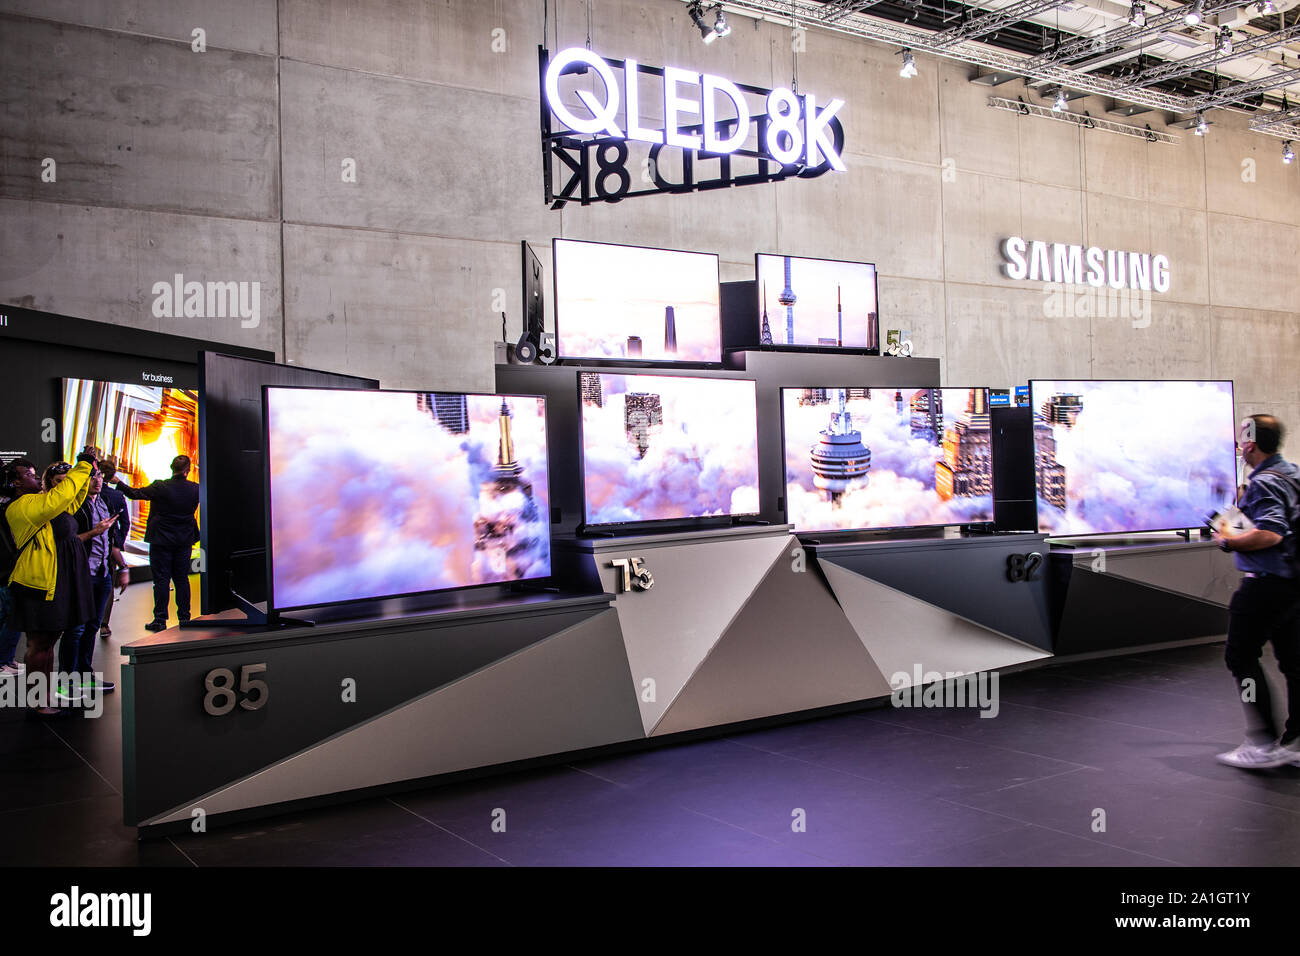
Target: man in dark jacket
1266	607
117	505
171	531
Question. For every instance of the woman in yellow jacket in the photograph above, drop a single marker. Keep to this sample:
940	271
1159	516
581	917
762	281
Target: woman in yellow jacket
43	591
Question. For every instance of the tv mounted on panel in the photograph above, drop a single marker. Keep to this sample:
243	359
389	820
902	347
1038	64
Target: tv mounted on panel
806	304
1129	456
659	449
860	459
633	304
378	494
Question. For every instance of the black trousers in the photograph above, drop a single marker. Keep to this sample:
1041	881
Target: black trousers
1263	610
170	565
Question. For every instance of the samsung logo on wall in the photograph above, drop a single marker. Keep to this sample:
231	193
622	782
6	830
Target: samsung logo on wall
1078	265
591	123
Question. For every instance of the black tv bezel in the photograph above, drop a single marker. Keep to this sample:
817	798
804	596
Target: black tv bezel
1232	388
274	609
813	347
529	256
639	361
653	524
873	529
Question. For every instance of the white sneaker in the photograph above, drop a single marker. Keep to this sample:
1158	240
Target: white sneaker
1250	756
1287	753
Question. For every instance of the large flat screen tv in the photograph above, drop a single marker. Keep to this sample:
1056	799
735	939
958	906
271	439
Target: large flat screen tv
667	448
143	427
376	494
873	458
816	303
1120	456
632	303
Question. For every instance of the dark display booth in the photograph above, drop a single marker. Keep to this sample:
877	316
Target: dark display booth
688	506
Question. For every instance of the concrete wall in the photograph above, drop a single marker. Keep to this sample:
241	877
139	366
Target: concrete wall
226	165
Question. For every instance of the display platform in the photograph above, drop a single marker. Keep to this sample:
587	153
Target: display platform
1116	593
946	604
232	723
736	625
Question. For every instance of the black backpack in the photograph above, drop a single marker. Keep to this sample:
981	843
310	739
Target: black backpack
9	549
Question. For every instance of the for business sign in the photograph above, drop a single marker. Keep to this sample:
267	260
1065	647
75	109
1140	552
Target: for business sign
715	133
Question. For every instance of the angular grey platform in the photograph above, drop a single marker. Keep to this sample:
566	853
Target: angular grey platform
902	633
567	692
789	649
702	580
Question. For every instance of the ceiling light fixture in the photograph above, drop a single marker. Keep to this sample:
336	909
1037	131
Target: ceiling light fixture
909	65
720	28
1193	15
1202	127
1288	154
1223	41
1137	14
1061	102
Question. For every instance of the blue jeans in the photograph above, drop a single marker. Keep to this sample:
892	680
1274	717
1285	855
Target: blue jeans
77	647
9	638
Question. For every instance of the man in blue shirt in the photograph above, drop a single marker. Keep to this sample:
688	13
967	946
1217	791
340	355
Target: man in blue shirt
1266	606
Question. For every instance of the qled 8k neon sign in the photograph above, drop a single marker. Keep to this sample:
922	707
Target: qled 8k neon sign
591	124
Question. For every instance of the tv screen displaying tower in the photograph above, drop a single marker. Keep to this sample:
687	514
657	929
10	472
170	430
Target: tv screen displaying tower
666	447
376	493
864	458
629	302
824	303
1127	456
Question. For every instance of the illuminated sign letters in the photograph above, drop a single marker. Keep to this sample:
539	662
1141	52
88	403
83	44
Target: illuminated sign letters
592	116
1076	265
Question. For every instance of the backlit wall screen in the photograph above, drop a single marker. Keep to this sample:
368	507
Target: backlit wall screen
659	447
863	458
376	493
815	302
1131	456
627	302
142	427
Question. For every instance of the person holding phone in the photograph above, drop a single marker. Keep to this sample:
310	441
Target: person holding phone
116	502
50	584
94	526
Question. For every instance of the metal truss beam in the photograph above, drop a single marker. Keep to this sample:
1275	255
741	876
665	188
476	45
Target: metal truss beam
993	21
1081	120
1188	65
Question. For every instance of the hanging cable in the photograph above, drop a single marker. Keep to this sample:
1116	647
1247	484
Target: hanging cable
794	48
589	2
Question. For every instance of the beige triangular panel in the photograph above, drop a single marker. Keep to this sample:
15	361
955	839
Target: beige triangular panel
1192	570
789	649
699	586
902	633
568	692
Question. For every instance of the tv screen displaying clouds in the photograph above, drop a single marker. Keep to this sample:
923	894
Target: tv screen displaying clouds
815	302
662	447
377	493
632	303
863	458
1132	456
